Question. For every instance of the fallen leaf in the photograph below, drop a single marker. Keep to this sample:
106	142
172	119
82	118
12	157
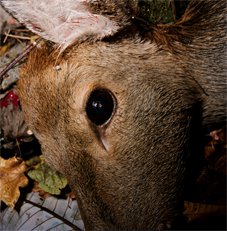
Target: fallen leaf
34	161
71	195
49	180
4	49
37	213
11	178
215	151
41	192
194	210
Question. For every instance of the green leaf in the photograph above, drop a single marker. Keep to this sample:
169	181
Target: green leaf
49	180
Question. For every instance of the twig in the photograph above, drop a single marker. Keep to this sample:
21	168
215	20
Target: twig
6	37
17	36
18	58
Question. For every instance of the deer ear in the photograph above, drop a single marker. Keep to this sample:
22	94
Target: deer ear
62	22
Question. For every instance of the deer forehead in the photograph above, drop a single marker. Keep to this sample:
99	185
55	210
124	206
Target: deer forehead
97	62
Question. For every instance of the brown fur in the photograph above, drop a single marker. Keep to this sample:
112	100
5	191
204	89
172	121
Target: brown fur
165	98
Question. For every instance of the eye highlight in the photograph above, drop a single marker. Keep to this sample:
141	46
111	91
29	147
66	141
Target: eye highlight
100	106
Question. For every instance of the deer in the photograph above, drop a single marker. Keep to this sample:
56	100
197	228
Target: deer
120	106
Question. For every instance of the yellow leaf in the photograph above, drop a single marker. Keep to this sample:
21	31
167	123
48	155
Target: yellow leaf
4	49
11	178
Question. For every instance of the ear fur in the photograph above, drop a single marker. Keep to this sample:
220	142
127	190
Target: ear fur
62	22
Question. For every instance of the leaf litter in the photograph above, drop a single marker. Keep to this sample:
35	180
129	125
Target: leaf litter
27	183
48	180
11	178
21	164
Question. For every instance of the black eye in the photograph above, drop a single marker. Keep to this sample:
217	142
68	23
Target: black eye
100	106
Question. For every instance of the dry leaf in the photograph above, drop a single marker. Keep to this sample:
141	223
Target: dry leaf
11	178
215	151
71	196
194	211
39	190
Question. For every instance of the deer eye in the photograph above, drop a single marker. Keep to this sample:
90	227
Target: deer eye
100	106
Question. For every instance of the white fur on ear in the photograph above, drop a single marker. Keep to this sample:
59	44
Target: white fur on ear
62	22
